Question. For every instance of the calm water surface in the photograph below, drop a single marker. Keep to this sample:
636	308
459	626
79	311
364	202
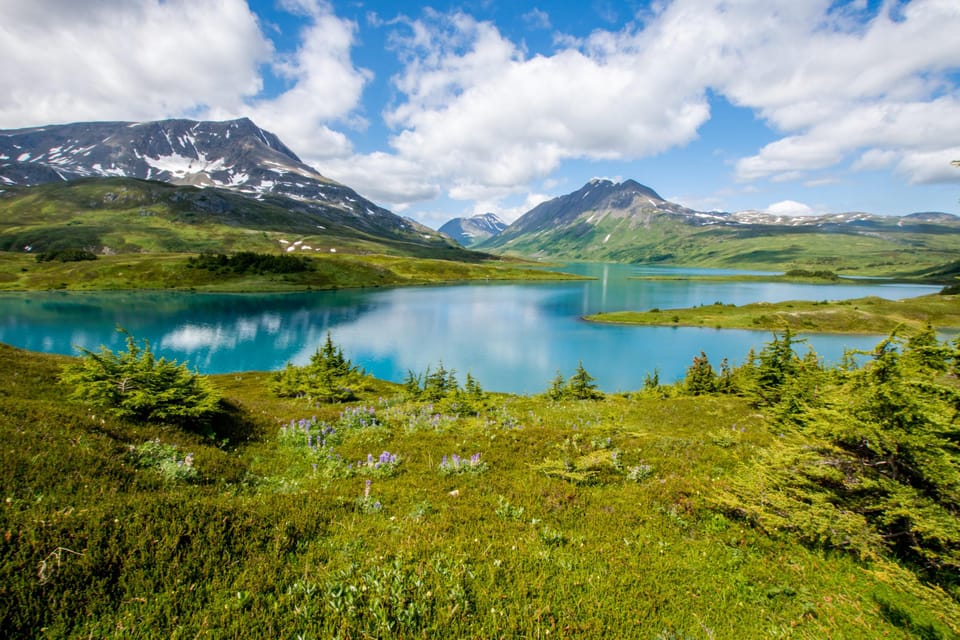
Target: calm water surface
511	337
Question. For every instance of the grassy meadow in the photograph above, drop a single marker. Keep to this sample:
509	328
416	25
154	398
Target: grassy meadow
859	315
22	272
622	516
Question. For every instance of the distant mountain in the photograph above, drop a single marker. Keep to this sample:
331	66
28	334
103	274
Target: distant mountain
235	155
473	230
630	222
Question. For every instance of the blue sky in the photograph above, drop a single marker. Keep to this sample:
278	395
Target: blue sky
446	109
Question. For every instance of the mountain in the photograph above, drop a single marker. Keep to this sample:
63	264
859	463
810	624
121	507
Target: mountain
473	230
630	222
233	156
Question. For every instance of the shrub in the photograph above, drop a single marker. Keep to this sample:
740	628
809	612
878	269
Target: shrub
136	385
66	255
329	377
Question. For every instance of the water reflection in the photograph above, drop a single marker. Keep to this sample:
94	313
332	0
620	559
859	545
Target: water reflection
512	337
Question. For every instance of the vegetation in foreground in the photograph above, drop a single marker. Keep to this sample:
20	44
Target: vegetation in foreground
859	315
777	498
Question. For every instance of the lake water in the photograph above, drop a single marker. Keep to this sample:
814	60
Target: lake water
511	337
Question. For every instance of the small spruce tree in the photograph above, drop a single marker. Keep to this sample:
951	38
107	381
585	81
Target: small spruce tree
581	385
701	378
136	385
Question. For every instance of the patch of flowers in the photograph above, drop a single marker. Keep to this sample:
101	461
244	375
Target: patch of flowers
455	464
383	466
361	417
425	418
309	433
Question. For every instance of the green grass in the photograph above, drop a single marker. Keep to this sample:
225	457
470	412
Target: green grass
860	315
20	272
887	250
262	544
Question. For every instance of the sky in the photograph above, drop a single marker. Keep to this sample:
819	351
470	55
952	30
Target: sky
447	109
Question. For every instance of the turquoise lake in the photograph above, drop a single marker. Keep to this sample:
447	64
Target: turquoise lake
511	337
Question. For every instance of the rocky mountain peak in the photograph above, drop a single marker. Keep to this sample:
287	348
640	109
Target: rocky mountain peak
474	229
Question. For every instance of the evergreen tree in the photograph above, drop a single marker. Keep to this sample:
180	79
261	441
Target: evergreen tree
558	387
137	385
777	364
329	377
581	385
701	378
412	385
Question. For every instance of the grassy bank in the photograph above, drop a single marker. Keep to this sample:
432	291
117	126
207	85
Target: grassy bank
593	519
860	315
22	272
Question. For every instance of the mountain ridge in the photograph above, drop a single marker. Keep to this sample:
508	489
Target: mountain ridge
233	155
472	230
630	222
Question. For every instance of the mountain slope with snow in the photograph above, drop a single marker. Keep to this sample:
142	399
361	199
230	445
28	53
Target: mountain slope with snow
629	222
234	155
473	230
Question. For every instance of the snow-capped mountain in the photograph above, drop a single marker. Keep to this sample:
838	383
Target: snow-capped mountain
628	221
473	230
236	155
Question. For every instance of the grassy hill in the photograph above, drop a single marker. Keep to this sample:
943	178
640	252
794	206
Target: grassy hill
631	516
859	315
654	237
126	215
142	234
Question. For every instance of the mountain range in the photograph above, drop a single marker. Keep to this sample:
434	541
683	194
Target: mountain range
629	222
132	186
473	230
212	161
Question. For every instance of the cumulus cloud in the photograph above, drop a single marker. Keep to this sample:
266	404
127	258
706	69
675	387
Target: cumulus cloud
478	115
150	59
126	59
836	81
324	87
475	117
790	208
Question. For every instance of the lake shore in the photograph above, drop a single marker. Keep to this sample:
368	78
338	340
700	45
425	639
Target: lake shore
871	315
172	271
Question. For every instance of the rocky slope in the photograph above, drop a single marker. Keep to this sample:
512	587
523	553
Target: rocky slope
234	155
473	230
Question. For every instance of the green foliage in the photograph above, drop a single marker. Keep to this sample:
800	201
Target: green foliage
136	385
166	460
66	255
249	262
872	465
580	386
700	378
440	387
329	377
98	543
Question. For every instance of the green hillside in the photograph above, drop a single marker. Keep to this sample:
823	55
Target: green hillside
743	504
126	215
664	239
122	233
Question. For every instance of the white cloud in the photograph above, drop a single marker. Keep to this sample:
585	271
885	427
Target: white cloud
878	91
125	59
790	208
388	179
479	116
537	19
509	214
325	88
